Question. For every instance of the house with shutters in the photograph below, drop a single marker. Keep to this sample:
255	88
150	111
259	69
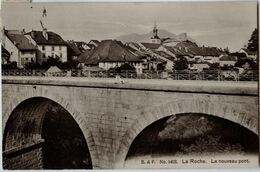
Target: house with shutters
227	60
49	44
20	48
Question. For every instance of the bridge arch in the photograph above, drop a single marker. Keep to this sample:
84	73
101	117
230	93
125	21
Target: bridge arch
232	112
43	100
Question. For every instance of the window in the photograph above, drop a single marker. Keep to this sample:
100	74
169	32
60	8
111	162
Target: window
26	58
60	47
60	55
43	55
52	54
43	47
52	48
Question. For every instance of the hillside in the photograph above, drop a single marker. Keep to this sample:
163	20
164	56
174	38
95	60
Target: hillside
146	37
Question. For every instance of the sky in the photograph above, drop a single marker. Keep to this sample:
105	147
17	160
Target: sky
218	24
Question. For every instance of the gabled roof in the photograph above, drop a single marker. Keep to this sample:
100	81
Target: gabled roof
165	55
151	46
111	51
84	57
91	46
135	45
19	40
205	51
81	45
249	52
180	51
53	38
73	46
53	69
94	41
228	58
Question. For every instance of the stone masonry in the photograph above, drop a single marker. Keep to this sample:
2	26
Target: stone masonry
111	114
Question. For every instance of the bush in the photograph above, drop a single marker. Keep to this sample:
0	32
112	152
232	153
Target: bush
11	65
181	64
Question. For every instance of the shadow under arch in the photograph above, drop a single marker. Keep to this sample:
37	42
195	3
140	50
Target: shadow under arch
37	128
179	134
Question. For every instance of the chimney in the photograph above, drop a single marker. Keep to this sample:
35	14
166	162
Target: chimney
45	33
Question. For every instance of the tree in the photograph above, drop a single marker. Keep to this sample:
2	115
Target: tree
214	66
161	66
240	62
125	67
73	64
253	41
32	66
51	61
181	64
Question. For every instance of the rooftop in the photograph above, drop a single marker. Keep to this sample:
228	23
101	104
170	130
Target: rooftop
53	38
228	58
151	45
111	51
20	41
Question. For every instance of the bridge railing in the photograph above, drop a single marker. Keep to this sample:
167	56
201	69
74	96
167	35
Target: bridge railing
215	75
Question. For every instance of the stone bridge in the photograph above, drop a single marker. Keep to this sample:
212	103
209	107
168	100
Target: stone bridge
111	113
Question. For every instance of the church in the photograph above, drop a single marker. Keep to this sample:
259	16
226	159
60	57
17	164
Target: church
155	39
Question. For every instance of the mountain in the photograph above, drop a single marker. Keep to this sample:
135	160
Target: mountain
146	37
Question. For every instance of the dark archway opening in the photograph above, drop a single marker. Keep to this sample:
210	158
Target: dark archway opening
193	134
41	134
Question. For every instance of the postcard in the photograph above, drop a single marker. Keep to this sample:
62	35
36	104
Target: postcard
130	85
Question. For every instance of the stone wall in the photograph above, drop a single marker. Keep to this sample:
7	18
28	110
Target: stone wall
28	156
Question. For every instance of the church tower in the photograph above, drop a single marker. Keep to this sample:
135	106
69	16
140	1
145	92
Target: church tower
155	38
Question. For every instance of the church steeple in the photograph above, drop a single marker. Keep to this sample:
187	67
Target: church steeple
155	38
155	31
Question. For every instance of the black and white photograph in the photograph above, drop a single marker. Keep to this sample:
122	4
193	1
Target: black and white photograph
129	85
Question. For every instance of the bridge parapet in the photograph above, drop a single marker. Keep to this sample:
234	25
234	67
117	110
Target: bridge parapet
225	87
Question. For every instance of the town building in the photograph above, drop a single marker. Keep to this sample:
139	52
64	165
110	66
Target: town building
49	44
227	60
20	48
155	39
82	46
73	50
111	54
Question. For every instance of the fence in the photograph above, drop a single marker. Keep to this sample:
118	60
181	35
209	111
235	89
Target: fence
216	75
